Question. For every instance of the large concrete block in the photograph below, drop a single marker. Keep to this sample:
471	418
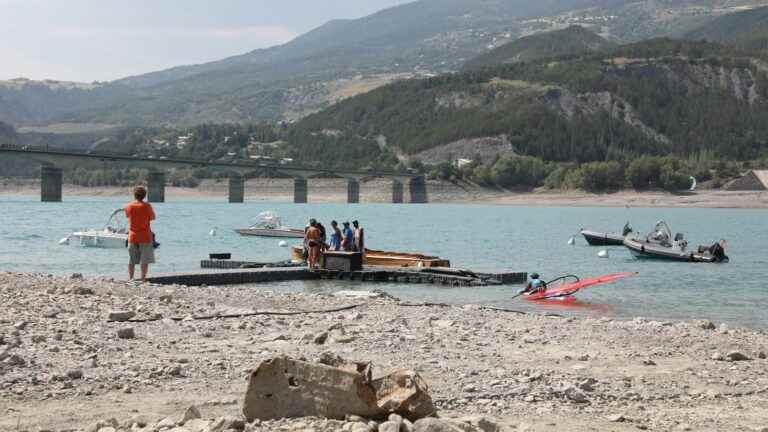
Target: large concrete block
51	179
287	388
236	189
300	188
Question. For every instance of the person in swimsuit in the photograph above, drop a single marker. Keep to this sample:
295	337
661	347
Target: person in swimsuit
535	285
313	241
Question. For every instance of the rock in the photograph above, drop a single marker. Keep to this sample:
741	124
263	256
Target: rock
166	298
320	338
482	423
121	316
616	418
684	427
761	355
717	356
191	413
649	362
76	276
431	424
21	325
196	425
302	389
587	385
389	426
736	356
706	325
126	333
75	374
395	418
469	389
352	418
165	423
15	360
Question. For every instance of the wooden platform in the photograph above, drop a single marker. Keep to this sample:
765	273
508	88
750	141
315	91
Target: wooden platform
452	277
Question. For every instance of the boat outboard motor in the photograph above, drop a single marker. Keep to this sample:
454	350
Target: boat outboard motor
718	252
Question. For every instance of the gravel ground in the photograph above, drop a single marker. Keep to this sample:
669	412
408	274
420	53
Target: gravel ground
64	366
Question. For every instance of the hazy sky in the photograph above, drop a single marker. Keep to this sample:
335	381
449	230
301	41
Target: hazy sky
87	40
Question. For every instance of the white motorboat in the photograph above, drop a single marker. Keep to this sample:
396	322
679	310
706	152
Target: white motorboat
114	235
269	225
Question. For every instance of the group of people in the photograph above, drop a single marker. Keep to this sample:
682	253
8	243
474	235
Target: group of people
316	240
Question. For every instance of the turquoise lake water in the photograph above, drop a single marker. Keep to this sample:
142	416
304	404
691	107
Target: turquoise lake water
479	237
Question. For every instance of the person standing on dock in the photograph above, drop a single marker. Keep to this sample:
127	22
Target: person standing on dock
313	242
335	244
348	238
359	243
141	249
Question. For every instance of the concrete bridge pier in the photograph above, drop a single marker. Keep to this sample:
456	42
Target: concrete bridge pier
397	191
418	188
51	179
300	190
236	189
353	191
156	187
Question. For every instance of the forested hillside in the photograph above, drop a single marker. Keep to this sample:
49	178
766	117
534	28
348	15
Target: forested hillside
570	41
654	97
747	29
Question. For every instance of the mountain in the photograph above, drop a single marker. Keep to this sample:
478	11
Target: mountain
339	59
569	41
655	97
746	29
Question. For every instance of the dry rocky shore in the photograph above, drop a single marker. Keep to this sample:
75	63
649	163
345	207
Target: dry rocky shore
65	366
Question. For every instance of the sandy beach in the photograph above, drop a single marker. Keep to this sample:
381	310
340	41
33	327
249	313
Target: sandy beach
64	368
379	191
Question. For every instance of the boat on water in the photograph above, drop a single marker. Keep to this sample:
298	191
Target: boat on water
268	224
597	238
387	259
660	244
114	235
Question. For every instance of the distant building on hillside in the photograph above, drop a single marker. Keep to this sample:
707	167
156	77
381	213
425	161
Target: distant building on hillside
461	163
755	180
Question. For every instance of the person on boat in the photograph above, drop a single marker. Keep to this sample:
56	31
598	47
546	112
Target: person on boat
141	249
358	237
347	238
627	230
312	240
335	244
535	285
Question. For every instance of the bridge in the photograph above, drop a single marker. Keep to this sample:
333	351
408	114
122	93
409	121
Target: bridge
52	161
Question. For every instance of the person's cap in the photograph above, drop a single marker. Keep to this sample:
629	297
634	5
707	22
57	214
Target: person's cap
355	222
334	223
346	223
535	275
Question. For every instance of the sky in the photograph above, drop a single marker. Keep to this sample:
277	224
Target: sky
102	40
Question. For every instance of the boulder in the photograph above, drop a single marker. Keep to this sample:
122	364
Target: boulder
285	388
191	413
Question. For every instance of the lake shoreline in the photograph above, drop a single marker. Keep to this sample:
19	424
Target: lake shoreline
379	191
69	370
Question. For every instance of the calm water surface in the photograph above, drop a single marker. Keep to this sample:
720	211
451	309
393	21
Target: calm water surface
479	237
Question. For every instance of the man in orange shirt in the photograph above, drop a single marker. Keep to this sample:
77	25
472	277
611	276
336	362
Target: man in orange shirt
140	242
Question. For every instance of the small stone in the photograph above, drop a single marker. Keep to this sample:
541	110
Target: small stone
191	413
616	418
469	389
584	357
196	425
352	418
736	356
389	426
165	423
166	298
649	362
320	338
761	355
684	427
431	424
15	360
75	374
121	316
126	333
76	276
706	325
395	418
717	356
21	325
